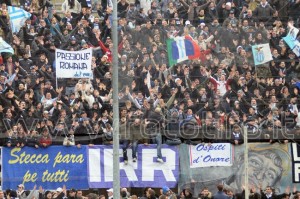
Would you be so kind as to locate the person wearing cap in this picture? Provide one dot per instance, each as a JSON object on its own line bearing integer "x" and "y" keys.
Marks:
{"x": 73, "y": 43}
{"x": 84, "y": 45}
{"x": 225, "y": 10}
{"x": 231, "y": 19}
{"x": 110, "y": 193}
{"x": 166, "y": 191}
{"x": 21, "y": 193}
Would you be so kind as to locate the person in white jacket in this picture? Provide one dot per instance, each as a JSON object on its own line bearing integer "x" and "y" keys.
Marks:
{"x": 21, "y": 193}
{"x": 72, "y": 6}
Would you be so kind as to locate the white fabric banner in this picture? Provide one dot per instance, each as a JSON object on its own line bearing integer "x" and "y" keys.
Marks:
{"x": 73, "y": 64}
{"x": 217, "y": 154}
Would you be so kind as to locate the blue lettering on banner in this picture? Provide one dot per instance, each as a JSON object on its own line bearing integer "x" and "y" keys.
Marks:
{"x": 218, "y": 159}
{"x": 217, "y": 147}
{"x": 205, "y": 155}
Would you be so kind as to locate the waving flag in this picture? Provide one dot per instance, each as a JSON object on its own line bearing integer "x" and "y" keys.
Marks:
{"x": 11, "y": 79}
{"x": 261, "y": 53}
{"x": 181, "y": 49}
{"x": 5, "y": 47}
{"x": 17, "y": 17}
{"x": 292, "y": 41}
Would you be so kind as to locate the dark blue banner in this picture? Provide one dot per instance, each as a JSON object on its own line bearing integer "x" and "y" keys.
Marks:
{"x": 50, "y": 167}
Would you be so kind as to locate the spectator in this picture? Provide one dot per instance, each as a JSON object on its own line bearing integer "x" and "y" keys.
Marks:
{"x": 72, "y": 194}
{"x": 220, "y": 194}
{"x": 264, "y": 12}
{"x": 110, "y": 193}
{"x": 72, "y": 6}
{"x": 269, "y": 193}
{"x": 21, "y": 193}
{"x": 45, "y": 139}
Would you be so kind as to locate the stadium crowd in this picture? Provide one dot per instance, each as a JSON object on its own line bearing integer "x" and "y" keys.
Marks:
{"x": 149, "y": 193}
{"x": 220, "y": 91}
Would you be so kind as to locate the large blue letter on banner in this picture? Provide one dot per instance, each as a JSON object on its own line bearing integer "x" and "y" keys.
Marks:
{"x": 51, "y": 167}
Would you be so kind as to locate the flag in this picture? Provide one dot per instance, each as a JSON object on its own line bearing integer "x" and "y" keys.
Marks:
{"x": 5, "y": 47}
{"x": 181, "y": 49}
{"x": 261, "y": 53}
{"x": 292, "y": 41}
{"x": 296, "y": 48}
{"x": 17, "y": 17}
{"x": 89, "y": 3}
{"x": 11, "y": 79}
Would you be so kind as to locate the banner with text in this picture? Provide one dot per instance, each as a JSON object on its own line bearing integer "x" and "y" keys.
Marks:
{"x": 146, "y": 171}
{"x": 269, "y": 165}
{"x": 296, "y": 162}
{"x": 217, "y": 154}
{"x": 73, "y": 64}
{"x": 50, "y": 167}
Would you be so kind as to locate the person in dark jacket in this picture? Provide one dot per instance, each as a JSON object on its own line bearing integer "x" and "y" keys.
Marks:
{"x": 154, "y": 122}
{"x": 264, "y": 11}
{"x": 32, "y": 139}
{"x": 220, "y": 194}
{"x": 270, "y": 194}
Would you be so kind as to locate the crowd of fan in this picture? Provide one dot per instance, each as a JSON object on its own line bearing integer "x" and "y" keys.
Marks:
{"x": 149, "y": 193}
{"x": 222, "y": 90}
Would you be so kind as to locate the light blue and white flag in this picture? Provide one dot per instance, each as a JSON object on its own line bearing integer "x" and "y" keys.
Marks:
{"x": 11, "y": 78}
{"x": 17, "y": 17}
{"x": 261, "y": 53}
{"x": 292, "y": 41}
{"x": 5, "y": 47}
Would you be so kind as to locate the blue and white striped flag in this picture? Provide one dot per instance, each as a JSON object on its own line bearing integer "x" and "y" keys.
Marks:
{"x": 5, "y": 47}
{"x": 17, "y": 17}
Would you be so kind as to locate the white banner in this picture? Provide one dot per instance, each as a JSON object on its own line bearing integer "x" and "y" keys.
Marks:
{"x": 217, "y": 154}
{"x": 145, "y": 172}
{"x": 73, "y": 64}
